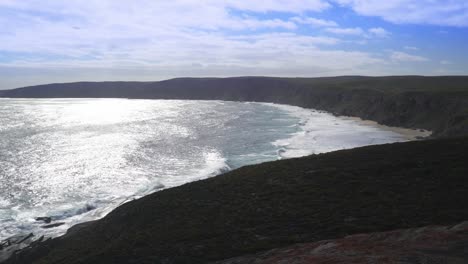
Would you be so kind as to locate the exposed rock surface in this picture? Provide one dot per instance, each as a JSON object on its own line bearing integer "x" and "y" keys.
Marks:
{"x": 52, "y": 225}
{"x": 45, "y": 219}
{"x": 277, "y": 204}
{"x": 16, "y": 243}
{"x": 439, "y": 104}
{"x": 426, "y": 245}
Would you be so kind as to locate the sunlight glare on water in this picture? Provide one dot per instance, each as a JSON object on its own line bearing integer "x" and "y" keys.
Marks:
{"x": 74, "y": 160}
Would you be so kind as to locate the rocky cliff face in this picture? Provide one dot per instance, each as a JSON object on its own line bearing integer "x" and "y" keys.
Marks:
{"x": 439, "y": 104}
{"x": 444, "y": 114}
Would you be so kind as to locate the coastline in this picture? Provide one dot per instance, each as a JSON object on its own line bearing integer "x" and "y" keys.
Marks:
{"x": 337, "y": 133}
{"x": 407, "y": 133}
{"x": 292, "y": 145}
{"x": 276, "y": 204}
{"x": 436, "y": 103}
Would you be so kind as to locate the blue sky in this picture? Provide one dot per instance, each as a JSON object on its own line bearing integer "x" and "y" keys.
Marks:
{"x": 97, "y": 40}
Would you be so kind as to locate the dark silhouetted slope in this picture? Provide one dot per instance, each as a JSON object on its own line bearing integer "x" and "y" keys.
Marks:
{"x": 276, "y": 204}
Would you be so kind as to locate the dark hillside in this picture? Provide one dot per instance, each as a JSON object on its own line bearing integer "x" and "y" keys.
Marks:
{"x": 275, "y": 204}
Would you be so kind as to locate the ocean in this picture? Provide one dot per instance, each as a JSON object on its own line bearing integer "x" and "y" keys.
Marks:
{"x": 74, "y": 160}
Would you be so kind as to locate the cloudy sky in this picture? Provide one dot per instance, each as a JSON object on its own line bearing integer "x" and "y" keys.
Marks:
{"x": 95, "y": 40}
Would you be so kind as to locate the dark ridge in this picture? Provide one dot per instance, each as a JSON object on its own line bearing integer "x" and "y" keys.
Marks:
{"x": 276, "y": 204}
{"x": 439, "y": 104}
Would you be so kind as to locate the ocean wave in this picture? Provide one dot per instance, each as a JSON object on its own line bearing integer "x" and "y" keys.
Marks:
{"x": 214, "y": 164}
{"x": 320, "y": 132}
{"x": 33, "y": 219}
{"x": 81, "y": 174}
{"x": 4, "y": 204}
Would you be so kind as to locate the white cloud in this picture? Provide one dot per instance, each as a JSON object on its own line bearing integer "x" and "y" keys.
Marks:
{"x": 165, "y": 34}
{"x": 294, "y": 6}
{"x": 101, "y": 28}
{"x": 379, "y": 32}
{"x": 315, "y": 22}
{"x": 436, "y": 12}
{"x": 398, "y": 56}
{"x": 252, "y": 23}
{"x": 150, "y": 40}
{"x": 445, "y": 62}
{"x": 346, "y": 31}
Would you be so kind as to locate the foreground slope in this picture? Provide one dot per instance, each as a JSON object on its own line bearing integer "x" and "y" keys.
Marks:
{"x": 439, "y": 104}
{"x": 424, "y": 245}
{"x": 276, "y": 204}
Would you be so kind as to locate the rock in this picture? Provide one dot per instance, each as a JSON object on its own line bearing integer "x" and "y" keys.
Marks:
{"x": 53, "y": 225}
{"x": 13, "y": 244}
{"x": 44, "y": 219}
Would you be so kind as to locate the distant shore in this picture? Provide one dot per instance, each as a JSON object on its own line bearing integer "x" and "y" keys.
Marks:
{"x": 438, "y": 104}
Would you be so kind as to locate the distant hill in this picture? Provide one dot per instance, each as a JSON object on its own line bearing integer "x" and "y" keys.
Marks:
{"x": 439, "y": 103}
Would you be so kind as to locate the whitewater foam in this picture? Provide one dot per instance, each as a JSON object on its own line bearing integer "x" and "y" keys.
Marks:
{"x": 321, "y": 132}
{"x": 75, "y": 160}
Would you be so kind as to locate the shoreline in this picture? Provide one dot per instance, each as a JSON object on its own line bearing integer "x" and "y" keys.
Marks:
{"x": 304, "y": 114}
{"x": 323, "y": 134}
{"x": 276, "y": 204}
{"x": 255, "y": 208}
{"x": 408, "y": 133}
{"x": 436, "y": 103}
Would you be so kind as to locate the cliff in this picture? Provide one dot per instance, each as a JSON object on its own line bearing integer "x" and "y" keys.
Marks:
{"x": 439, "y": 104}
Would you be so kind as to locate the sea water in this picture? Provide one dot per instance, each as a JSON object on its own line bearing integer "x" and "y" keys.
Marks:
{"x": 75, "y": 160}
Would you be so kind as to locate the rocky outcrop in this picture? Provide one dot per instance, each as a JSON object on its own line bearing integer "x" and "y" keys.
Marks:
{"x": 439, "y": 104}
{"x": 15, "y": 243}
{"x": 426, "y": 245}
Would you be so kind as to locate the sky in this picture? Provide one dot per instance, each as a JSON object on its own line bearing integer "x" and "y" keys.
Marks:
{"x": 150, "y": 40}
